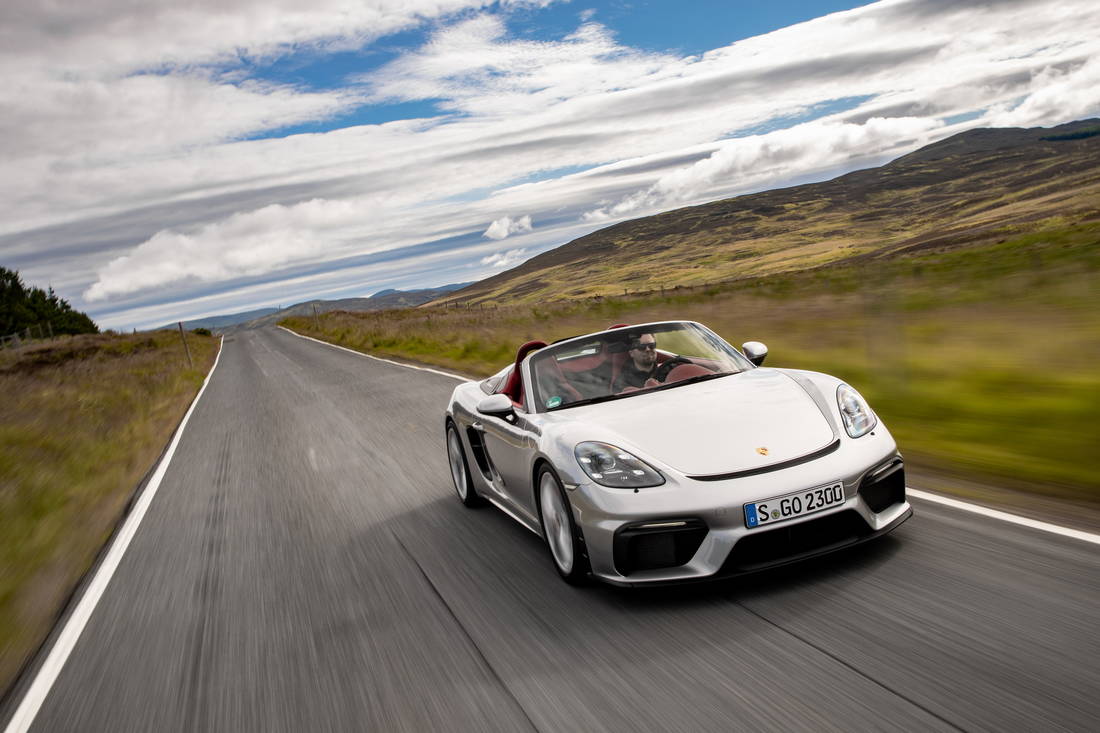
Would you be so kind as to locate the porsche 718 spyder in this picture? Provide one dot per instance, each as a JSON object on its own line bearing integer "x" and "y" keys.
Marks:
{"x": 658, "y": 453}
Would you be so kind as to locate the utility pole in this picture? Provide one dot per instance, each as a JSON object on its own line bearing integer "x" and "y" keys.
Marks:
{"x": 186, "y": 348}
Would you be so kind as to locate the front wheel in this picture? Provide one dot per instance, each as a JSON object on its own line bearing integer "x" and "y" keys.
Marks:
{"x": 560, "y": 530}
{"x": 460, "y": 470}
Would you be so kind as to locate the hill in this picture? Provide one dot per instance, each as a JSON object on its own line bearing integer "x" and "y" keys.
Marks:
{"x": 975, "y": 187}
{"x": 220, "y": 322}
{"x": 382, "y": 300}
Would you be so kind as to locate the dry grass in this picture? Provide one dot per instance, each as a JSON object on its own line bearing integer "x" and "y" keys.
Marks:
{"x": 82, "y": 420}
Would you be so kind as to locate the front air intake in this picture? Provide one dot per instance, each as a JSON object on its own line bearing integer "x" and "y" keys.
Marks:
{"x": 657, "y": 544}
{"x": 884, "y": 487}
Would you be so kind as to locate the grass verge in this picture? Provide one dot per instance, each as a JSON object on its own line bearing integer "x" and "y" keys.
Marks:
{"x": 82, "y": 420}
{"x": 981, "y": 360}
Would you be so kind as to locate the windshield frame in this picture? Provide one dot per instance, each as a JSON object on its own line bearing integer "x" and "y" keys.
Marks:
{"x": 624, "y": 333}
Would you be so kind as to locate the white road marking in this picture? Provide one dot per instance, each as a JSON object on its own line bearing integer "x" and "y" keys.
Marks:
{"x": 313, "y": 460}
{"x": 74, "y": 626}
{"x": 378, "y": 358}
{"x": 1006, "y": 517}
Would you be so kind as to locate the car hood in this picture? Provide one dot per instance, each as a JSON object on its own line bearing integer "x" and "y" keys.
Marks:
{"x": 717, "y": 426}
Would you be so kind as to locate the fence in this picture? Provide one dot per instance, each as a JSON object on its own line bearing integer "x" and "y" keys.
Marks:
{"x": 14, "y": 340}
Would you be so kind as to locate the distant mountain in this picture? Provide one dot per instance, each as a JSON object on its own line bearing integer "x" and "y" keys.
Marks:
{"x": 973, "y": 187}
{"x": 381, "y": 300}
{"x": 219, "y": 322}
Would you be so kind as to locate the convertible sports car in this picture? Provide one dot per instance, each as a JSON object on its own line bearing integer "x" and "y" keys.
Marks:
{"x": 658, "y": 453}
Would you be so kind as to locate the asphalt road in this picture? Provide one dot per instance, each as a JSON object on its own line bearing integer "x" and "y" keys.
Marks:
{"x": 306, "y": 566}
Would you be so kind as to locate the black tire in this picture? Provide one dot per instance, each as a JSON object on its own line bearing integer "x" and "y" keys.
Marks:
{"x": 460, "y": 469}
{"x": 560, "y": 531}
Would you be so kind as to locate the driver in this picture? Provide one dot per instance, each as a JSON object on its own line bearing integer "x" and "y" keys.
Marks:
{"x": 641, "y": 365}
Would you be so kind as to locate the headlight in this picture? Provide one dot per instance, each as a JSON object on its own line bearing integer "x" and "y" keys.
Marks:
{"x": 857, "y": 416}
{"x": 610, "y": 466}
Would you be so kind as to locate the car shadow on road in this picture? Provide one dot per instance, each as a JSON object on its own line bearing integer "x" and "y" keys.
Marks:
{"x": 496, "y": 580}
{"x": 502, "y": 547}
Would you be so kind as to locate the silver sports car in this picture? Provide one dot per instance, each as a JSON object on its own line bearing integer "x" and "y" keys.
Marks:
{"x": 658, "y": 453}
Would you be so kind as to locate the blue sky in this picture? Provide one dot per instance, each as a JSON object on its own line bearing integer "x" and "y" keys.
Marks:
{"x": 168, "y": 161}
{"x": 684, "y": 29}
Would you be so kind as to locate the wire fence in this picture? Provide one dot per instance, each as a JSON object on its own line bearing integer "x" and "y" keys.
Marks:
{"x": 14, "y": 340}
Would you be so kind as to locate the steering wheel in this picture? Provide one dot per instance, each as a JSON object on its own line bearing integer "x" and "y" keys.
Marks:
{"x": 661, "y": 372}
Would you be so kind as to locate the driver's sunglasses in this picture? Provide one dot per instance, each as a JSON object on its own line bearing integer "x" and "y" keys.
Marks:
{"x": 644, "y": 347}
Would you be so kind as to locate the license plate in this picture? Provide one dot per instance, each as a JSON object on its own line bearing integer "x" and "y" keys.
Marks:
{"x": 789, "y": 506}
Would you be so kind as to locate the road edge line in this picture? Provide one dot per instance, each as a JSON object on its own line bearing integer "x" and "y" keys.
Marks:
{"x": 65, "y": 642}
{"x": 378, "y": 358}
{"x": 1058, "y": 529}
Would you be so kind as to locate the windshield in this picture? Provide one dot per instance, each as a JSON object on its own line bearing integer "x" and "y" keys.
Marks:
{"x": 628, "y": 361}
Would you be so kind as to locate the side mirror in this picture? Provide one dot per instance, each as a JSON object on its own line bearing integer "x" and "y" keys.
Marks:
{"x": 498, "y": 405}
{"x": 755, "y": 351}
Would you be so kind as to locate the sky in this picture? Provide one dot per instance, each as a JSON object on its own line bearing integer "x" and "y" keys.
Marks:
{"x": 168, "y": 160}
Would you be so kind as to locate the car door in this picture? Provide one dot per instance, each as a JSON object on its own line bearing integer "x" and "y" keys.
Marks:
{"x": 510, "y": 444}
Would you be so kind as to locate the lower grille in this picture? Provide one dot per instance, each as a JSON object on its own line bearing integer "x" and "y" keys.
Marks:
{"x": 885, "y": 488}
{"x": 653, "y": 545}
{"x": 755, "y": 551}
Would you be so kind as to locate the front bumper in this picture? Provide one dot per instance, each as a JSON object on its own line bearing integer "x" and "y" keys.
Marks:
{"x": 706, "y": 533}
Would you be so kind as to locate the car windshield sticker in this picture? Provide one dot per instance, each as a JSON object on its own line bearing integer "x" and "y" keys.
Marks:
{"x": 553, "y": 401}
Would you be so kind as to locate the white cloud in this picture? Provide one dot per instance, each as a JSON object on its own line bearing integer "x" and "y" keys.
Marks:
{"x": 474, "y": 67}
{"x": 244, "y": 244}
{"x": 112, "y": 37}
{"x": 1058, "y": 95}
{"x": 506, "y": 226}
{"x": 129, "y": 185}
{"x": 505, "y": 259}
{"x": 114, "y": 79}
{"x": 92, "y": 122}
{"x": 746, "y": 163}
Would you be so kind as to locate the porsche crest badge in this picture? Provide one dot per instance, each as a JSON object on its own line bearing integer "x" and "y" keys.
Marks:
{"x": 762, "y": 451}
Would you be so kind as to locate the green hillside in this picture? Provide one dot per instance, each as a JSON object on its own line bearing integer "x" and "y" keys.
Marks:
{"x": 978, "y": 187}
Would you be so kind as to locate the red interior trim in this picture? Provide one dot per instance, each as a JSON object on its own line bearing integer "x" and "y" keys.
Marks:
{"x": 514, "y": 387}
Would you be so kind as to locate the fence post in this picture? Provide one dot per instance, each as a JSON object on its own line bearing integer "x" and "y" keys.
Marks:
{"x": 50, "y": 326}
{"x": 316, "y": 320}
{"x": 186, "y": 348}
